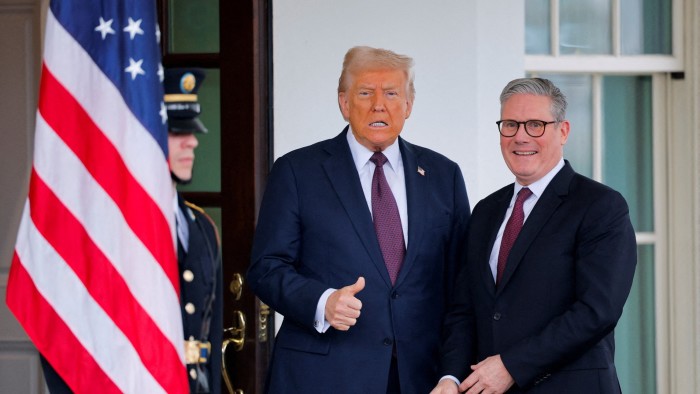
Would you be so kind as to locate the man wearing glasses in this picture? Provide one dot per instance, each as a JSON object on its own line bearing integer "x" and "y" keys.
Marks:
{"x": 550, "y": 264}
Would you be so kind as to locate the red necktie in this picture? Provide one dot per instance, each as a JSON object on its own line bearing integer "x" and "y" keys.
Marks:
{"x": 387, "y": 222}
{"x": 510, "y": 234}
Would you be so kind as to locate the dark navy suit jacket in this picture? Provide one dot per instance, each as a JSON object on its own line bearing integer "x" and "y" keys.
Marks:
{"x": 315, "y": 232}
{"x": 203, "y": 291}
{"x": 566, "y": 280}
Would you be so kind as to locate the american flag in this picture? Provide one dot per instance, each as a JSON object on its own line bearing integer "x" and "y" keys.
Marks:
{"x": 94, "y": 277}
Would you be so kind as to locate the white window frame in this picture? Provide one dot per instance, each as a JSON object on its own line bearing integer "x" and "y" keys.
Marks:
{"x": 615, "y": 62}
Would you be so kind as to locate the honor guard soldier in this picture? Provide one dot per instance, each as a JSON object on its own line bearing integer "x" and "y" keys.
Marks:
{"x": 198, "y": 247}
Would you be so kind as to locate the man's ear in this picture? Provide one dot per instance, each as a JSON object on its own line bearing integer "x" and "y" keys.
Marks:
{"x": 343, "y": 104}
{"x": 565, "y": 129}
{"x": 409, "y": 108}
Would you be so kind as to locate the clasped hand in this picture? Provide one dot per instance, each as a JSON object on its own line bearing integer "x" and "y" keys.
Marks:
{"x": 489, "y": 376}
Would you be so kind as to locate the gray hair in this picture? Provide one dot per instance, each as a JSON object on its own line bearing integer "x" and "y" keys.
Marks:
{"x": 537, "y": 87}
{"x": 363, "y": 58}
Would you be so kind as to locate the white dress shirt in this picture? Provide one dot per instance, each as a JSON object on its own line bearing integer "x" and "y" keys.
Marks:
{"x": 537, "y": 188}
{"x": 394, "y": 173}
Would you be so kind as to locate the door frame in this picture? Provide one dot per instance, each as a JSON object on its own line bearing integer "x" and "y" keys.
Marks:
{"x": 245, "y": 64}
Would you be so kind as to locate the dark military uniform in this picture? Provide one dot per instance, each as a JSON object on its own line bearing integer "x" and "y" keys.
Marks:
{"x": 201, "y": 295}
{"x": 199, "y": 259}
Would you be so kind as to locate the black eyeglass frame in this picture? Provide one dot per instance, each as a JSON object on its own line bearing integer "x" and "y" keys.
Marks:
{"x": 544, "y": 127}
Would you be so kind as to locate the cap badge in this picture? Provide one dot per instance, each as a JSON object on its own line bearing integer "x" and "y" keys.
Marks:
{"x": 187, "y": 83}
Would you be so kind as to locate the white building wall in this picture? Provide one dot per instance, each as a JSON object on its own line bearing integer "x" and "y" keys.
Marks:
{"x": 457, "y": 81}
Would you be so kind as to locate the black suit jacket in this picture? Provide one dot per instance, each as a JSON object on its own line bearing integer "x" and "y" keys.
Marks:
{"x": 567, "y": 278}
{"x": 315, "y": 232}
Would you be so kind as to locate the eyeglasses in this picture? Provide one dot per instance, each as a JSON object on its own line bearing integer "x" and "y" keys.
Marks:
{"x": 534, "y": 128}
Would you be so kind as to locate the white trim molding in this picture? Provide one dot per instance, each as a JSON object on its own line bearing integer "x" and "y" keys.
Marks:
{"x": 683, "y": 216}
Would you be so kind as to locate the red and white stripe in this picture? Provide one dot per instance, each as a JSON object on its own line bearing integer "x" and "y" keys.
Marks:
{"x": 94, "y": 278}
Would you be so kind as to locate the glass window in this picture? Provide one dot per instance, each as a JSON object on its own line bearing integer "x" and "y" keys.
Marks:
{"x": 585, "y": 27}
{"x": 635, "y": 332}
{"x": 645, "y": 27}
{"x": 619, "y": 29}
{"x": 194, "y": 26}
{"x": 537, "y": 27}
{"x": 627, "y": 144}
{"x": 207, "y": 168}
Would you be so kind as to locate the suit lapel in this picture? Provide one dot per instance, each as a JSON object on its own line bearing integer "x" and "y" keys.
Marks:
{"x": 417, "y": 185}
{"x": 340, "y": 168}
{"x": 496, "y": 211}
{"x": 547, "y": 204}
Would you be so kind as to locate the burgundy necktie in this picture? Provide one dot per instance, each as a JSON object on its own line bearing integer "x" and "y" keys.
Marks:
{"x": 510, "y": 234}
{"x": 387, "y": 222}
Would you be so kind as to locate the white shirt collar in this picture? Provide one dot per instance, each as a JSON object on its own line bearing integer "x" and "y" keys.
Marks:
{"x": 361, "y": 155}
{"x": 537, "y": 187}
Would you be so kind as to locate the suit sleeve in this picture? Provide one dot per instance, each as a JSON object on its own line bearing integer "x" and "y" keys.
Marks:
{"x": 456, "y": 252}
{"x": 605, "y": 258}
{"x": 275, "y": 273}
{"x": 458, "y": 347}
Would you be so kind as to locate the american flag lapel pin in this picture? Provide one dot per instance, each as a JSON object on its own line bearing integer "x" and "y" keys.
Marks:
{"x": 421, "y": 171}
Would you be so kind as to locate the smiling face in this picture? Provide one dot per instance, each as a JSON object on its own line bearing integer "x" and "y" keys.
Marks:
{"x": 376, "y": 104}
{"x": 181, "y": 154}
{"x": 528, "y": 158}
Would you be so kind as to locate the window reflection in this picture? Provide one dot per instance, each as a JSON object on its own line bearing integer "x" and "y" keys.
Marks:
{"x": 645, "y": 27}
{"x": 537, "y": 27}
{"x": 585, "y": 27}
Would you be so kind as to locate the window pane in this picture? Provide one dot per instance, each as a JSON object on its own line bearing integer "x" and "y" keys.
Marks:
{"x": 634, "y": 336}
{"x": 579, "y": 147}
{"x": 585, "y": 27}
{"x": 645, "y": 27}
{"x": 537, "y": 27}
{"x": 627, "y": 149}
{"x": 207, "y": 168}
{"x": 194, "y": 26}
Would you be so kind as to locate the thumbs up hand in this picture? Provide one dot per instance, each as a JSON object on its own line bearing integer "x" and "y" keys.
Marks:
{"x": 342, "y": 308}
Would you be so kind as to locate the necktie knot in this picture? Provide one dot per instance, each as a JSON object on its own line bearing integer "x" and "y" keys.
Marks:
{"x": 523, "y": 194}
{"x": 378, "y": 159}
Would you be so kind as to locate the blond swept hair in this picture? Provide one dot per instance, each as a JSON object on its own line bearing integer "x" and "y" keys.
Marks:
{"x": 364, "y": 58}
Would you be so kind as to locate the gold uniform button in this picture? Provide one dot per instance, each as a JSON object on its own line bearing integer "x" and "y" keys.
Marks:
{"x": 189, "y": 308}
{"x": 187, "y": 275}
{"x": 193, "y": 374}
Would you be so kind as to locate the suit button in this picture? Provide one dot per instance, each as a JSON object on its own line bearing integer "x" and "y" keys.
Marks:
{"x": 496, "y": 316}
{"x": 193, "y": 374}
{"x": 394, "y": 295}
{"x": 189, "y": 308}
{"x": 188, "y": 275}
{"x": 388, "y": 342}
